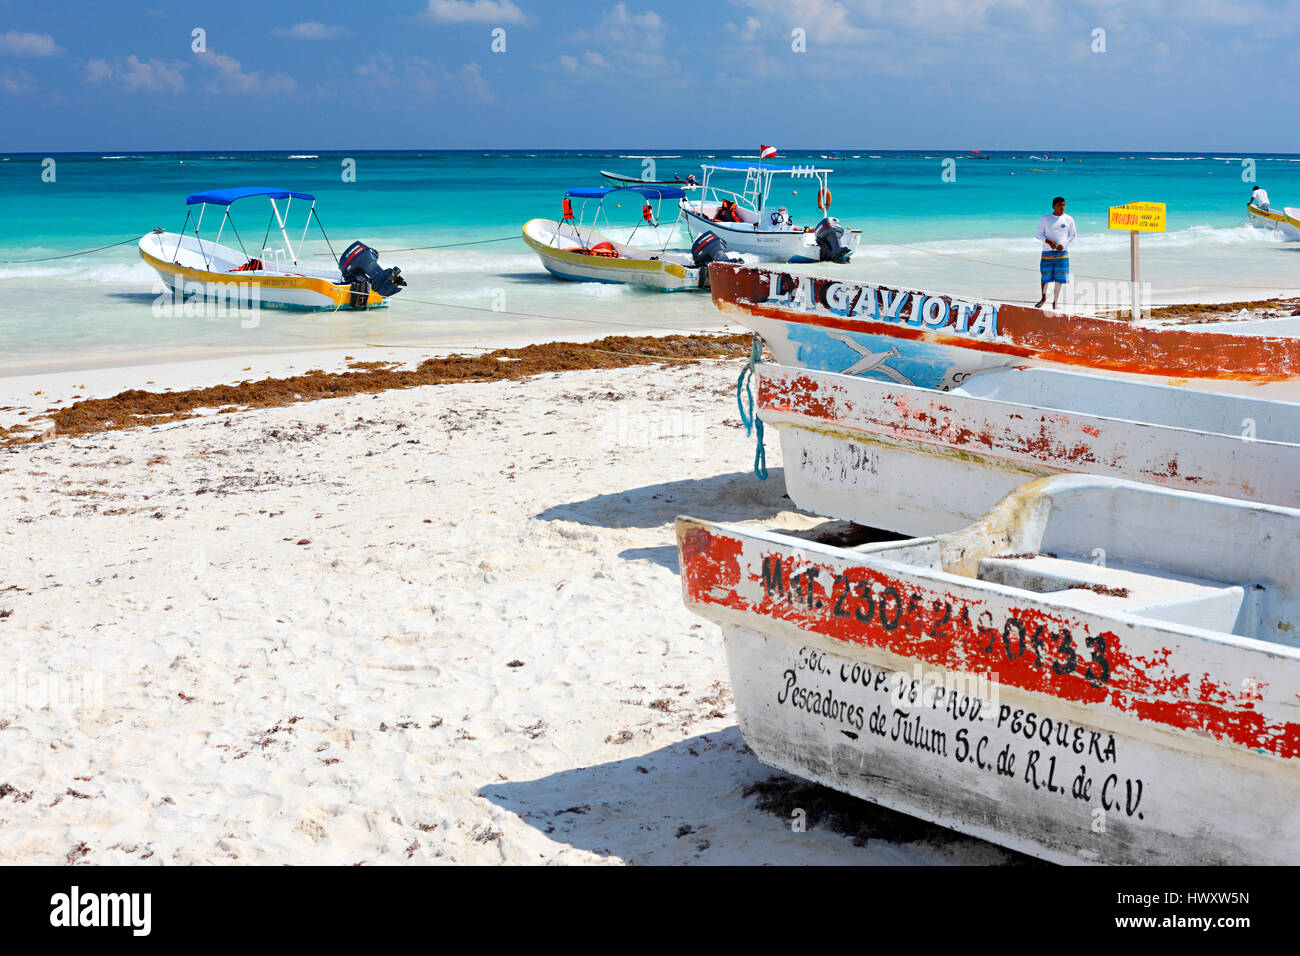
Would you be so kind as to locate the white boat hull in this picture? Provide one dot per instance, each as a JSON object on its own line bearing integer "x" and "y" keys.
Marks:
{"x": 919, "y": 461}
{"x": 1285, "y": 223}
{"x": 189, "y": 267}
{"x": 557, "y": 246}
{"x": 767, "y": 245}
{"x": 1133, "y": 713}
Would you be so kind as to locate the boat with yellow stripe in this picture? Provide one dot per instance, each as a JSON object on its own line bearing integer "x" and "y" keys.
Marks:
{"x": 190, "y": 265}
{"x": 570, "y": 250}
{"x": 1287, "y": 222}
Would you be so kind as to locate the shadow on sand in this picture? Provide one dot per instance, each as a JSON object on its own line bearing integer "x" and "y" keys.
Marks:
{"x": 735, "y": 497}
{"x": 708, "y": 800}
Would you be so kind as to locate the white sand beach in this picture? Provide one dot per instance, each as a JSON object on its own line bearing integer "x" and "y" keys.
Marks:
{"x": 434, "y": 625}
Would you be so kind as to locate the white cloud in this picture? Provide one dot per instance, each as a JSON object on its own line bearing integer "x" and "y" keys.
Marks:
{"x": 637, "y": 42}
{"x": 474, "y": 11}
{"x": 569, "y": 63}
{"x": 15, "y": 82}
{"x": 227, "y": 76}
{"x": 14, "y": 43}
{"x": 311, "y": 30}
{"x": 423, "y": 79}
{"x": 132, "y": 73}
{"x": 872, "y": 22}
{"x": 749, "y": 32}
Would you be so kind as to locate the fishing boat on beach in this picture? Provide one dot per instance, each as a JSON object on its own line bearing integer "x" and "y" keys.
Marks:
{"x": 914, "y": 460}
{"x": 933, "y": 340}
{"x": 272, "y": 277}
{"x": 569, "y": 249}
{"x": 1286, "y": 223}
{"x": 752, "y": 223}
{"x": 1095, "y": 671}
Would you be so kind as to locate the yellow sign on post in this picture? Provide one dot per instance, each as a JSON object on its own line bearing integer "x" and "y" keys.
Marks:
{"x": 1138, "y": 217}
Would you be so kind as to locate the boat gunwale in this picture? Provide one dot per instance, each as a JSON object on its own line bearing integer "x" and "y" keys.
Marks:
{"x": 763, "y": 369}
{"x": 938, "y": 575}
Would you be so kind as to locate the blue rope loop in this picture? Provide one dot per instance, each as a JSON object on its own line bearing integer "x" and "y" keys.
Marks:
{"x": 748, "y": 417}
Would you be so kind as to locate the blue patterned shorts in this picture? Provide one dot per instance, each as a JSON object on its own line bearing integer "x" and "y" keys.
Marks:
{"x": 1054, "y": 267}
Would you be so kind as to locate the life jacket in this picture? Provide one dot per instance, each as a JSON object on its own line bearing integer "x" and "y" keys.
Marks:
{"x": 647, "y": 213}
{"x": 728, "y": 212}
{"x": 252, "y": 265}
{"x": 599, "y": 249}
{"x": 568, "y": 209}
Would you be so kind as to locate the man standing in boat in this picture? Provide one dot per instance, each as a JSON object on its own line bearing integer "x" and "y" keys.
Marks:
{"x": 1056, "y": 230}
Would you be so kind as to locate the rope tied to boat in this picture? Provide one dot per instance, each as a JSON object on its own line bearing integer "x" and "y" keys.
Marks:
{"x": 748, "y": 417}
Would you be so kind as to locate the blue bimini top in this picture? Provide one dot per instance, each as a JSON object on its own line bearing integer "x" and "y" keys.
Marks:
{"x": 649, "y": 192}
{"x": 224, "y": 197}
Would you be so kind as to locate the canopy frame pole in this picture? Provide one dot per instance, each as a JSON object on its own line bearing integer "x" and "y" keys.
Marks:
{"x": 280, "y": 222}
{"x": 197, "y": 226}
{"x": 181, "y": 235}
{"x": 302, "y": 243}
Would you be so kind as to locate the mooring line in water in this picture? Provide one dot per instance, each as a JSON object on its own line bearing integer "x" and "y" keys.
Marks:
{"x": 71, "y": 255}
{"x": 449, "y": 245}
{"x": 114, "y": 245}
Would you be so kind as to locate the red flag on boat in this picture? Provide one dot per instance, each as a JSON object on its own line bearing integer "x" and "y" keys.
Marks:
{"x": 766, "y": 152}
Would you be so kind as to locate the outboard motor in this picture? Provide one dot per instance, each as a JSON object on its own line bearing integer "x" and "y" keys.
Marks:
{"x": 708, "y": 247}
{"x": 359, "y": 265}
{"x": 829, "y": 234}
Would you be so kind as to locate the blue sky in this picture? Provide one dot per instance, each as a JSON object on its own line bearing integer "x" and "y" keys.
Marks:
{"x": 1165, "y": 74}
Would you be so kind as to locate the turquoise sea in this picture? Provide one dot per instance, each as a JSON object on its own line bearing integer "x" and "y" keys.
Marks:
{"x": 970, "y": 232}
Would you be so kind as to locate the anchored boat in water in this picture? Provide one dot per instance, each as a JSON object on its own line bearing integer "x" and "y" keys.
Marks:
{"x": 920, "y": 461}
{"x": 190, "y": 265}
{"x": 753, "y": 224}
{"x": 570, "y": 250}
{"x": 687, "y": 183}
{"x": 933, "y": 340}
{"x": 1096, "y": 670}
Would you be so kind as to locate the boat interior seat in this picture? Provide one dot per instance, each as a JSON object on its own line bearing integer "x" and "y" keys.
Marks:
{"x": 1154, "y": 593}
{"x": 1081, "y": 584}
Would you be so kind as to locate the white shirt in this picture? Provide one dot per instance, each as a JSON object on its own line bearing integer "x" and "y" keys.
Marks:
{"x": 1057, "y": 229}
{"x": 1260, "y": 198}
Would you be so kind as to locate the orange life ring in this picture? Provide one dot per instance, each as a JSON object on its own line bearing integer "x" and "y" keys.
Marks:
{"x": 824, "y": 200}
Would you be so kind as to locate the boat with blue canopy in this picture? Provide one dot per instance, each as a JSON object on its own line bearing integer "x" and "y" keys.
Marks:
{"x": 752, "y": 221}
{"x": 570, "y": 248}
{"x": 272, "y": 275}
